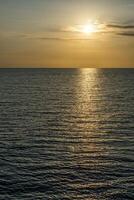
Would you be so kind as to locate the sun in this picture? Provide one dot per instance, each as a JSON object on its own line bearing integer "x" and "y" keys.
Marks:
{"x": 88, "y": 28}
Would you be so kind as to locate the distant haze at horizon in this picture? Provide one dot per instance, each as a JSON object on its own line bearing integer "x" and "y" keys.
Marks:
{"x": 67, "y": 33}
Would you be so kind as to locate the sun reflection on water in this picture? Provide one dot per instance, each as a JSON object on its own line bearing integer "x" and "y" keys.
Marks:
{"x": 87, "y": 117}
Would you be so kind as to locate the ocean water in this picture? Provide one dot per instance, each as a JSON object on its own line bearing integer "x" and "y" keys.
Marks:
{"x": 66, "y": 134}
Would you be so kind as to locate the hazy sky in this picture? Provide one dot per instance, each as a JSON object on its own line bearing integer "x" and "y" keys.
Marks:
{"x": 67, "y": 33}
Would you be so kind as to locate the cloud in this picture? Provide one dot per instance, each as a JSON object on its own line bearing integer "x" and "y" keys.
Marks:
{"x": 129, "y": 34}
{"x": 68, "y": 29}
{"x": 121, "y": 29}
{"x": 124, "y": 29}
{"x": 74, "y": 33}
{"x": 13, "y": 34}
{"x": 76, "y": 28}
{"x": 119, "y": 26}
{"x": 60, "y": 38}
{"x": 40, "y": 36}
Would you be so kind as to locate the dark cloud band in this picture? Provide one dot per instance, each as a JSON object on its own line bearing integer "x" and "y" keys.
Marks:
{"x": 120, "y": 26}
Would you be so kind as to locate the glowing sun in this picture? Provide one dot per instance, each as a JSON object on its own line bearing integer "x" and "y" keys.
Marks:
{"x": 88, "y": 28}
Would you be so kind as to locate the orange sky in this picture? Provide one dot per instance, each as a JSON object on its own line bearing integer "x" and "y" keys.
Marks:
{"x": 51, "y": 34}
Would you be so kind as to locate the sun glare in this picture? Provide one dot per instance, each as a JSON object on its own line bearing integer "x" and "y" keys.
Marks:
{"x": 88, "y": 28}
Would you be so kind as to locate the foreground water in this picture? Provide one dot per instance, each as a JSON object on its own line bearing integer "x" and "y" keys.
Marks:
{"x": 66, "y": 134}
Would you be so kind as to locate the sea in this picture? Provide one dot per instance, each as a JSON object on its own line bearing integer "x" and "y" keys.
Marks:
{"x": 66, "y": 134}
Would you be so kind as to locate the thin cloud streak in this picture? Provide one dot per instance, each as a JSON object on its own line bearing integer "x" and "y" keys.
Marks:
{"x": 60, "y": 38}
{"x": 120, "y": 26}
{"x": 129, "y": 34}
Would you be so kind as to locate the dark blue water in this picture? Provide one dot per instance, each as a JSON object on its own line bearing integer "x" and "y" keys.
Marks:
{"x": 66, "y": 134}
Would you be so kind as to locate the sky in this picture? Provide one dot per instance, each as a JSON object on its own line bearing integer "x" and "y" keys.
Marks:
{"x": 66, "y": 33}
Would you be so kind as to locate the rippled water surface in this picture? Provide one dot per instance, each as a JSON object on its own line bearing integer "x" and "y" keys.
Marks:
{"x": 66, "y": 134}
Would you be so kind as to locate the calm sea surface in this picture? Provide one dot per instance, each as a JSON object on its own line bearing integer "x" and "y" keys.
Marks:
{"x": 66, "y": 134}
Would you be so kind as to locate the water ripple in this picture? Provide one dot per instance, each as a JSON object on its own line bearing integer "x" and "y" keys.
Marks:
{"x": 66, "y": 134}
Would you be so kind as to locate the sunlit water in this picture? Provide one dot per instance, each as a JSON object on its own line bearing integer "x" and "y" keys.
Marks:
{"x": 66, "y": 134}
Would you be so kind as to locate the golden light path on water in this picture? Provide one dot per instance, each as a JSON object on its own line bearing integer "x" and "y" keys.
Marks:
{"x": 88, "y": 146}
